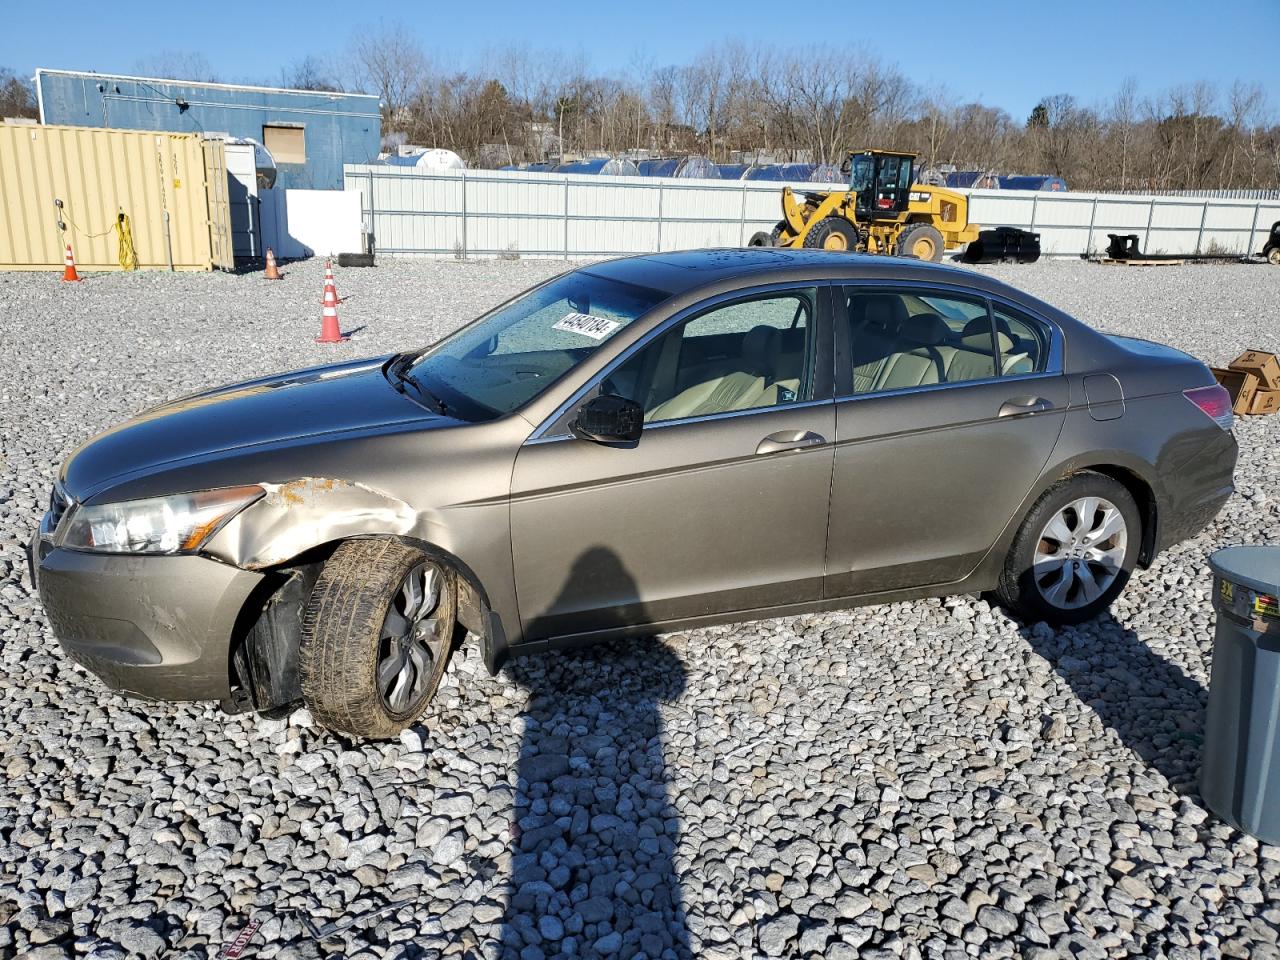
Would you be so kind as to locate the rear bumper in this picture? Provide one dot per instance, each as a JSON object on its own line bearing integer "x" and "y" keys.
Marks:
{"x": 153, "y": 627}
{"x": 1197, "y": 489}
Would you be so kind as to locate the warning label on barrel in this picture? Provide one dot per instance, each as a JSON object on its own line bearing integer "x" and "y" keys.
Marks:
{"x": 597, "y": 328}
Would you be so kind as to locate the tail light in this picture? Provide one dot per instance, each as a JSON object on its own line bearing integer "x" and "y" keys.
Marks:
{"x": 1214, "y": 402}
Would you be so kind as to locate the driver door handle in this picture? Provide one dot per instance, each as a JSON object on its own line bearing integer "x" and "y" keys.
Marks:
{"x": 1020, "y": 406}
{"x": 789, "y": 440}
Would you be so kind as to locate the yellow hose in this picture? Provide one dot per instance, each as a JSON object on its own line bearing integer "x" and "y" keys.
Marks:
{"x": 128, "y": 258}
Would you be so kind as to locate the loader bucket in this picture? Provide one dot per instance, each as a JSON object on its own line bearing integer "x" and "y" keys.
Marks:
{"x": 1123, "y": 246}
{"x": 1004, "y": 243}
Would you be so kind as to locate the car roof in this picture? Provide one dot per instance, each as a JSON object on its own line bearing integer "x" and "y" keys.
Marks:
{"x": 687, "y": 271}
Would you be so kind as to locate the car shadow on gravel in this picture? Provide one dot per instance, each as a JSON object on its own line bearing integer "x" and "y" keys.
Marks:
{"x": 594, "y": 832}
{"x": 1153, "y": 706}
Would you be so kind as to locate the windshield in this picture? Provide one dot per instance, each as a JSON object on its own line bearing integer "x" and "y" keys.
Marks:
{"x": 862, "y": 172}
{"x": 501, "y": 362}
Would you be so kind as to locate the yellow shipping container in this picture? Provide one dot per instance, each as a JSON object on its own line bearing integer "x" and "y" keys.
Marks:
{"x": 171, "y": 186}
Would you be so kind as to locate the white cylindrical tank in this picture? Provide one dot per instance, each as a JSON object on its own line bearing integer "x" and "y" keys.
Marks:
{"x": 430, "y": 161}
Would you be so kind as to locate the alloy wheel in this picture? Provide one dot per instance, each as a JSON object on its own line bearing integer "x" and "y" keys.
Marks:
{"x": 1080, "y": 553}
{"x": 411, "y": 640}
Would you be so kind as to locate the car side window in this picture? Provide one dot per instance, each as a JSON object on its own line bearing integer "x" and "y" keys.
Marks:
{"x": 1024, "y": 342}
{"x": 743, "y": 355}
{"x": 902, "y": 339}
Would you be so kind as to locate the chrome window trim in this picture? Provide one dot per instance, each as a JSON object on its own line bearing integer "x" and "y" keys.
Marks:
{"x": 540, "y": 434}
{"x": 682, "y": 421}
{"x": 933, "y": 387}
{"x": 1053, "y": 366}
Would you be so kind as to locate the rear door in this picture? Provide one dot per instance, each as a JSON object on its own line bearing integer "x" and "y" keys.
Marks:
{"x": 946, "y": 413}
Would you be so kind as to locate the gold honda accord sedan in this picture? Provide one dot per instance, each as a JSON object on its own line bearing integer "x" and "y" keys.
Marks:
{"x": 636, "y": 446}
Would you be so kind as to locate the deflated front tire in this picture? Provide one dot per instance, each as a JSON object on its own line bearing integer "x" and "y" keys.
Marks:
{"x": 377, "y": 633}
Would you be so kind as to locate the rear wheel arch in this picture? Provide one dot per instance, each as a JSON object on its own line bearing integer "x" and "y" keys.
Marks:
{"x": 1064, "y": 566}
{"x": 1143, "y": 494}
{"x": 1132, "y": 474}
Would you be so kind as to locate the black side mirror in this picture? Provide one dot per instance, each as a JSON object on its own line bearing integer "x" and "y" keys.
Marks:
{"x": 608, "y": 419}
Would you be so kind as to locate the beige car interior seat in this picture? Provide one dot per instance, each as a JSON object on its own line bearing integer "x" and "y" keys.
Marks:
{"x": 755, "y": 382}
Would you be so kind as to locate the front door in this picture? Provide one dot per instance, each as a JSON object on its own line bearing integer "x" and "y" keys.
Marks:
{"x": 949, "y": 412}
{"x": 722, "y": 504}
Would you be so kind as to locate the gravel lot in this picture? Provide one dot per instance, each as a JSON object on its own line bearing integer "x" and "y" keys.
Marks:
{"x": 930, "y": 779}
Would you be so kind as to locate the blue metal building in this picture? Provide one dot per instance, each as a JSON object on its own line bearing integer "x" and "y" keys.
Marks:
{"x": 310, "y": 133}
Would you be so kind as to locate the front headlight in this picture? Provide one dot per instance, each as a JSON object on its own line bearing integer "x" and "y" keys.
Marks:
{"x": 177, "y": 524}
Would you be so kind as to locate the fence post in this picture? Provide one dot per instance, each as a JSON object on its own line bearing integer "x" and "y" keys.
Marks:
{"x": 1204, "y": 214}
{"x": 1034, "y": 201}
{"x": 742, "y": 218}
{"x": 1146, "y": 237}
{"x": 372, "y": 238}
{"x": 659, "y": 218}
{"x": 566, "y": 217}
{"x": 464, "y": 213}
{"x": 1253, "y": 228}
{"x": 1093, "y": 218}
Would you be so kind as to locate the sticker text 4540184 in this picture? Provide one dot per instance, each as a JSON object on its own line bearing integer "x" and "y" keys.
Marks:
{"x": 597, "y": 328}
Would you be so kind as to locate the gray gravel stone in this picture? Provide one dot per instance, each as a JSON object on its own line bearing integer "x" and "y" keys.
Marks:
{"x": 926, "y": 779}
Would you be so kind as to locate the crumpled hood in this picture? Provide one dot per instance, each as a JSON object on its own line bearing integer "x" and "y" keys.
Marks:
{"x": 331, "y": 399}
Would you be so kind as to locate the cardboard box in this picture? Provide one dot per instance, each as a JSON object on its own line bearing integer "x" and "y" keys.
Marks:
{"x": 1242, "y": 387}
{"x": 1263, "y": 365}
{"x": 1265, "y": 401}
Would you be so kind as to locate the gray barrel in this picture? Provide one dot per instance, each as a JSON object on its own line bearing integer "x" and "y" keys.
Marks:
{"x": 1240, "y": 776}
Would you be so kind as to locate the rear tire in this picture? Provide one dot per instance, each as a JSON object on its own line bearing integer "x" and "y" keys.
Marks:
{"x": 377, "y": 633}
{"x": 832, "y": 233}
{"x": 922, "y": 241}
{"x": 1074, "y": 552}
{"x": 761, "y": 238}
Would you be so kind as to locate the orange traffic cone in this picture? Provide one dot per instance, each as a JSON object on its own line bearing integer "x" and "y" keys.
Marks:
{"x": 328, "y": 280}
{"x": 272, "y": 272}
{"x": 330, "y": 332}
{"x": 69, "y": 271}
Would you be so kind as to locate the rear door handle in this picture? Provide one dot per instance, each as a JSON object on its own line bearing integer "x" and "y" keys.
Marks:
{"x": 789, "y": 440}
{"x": 1021, "y": 406}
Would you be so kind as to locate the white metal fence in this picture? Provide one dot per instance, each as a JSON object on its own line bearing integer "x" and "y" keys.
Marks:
{"x": 495, "y": 213}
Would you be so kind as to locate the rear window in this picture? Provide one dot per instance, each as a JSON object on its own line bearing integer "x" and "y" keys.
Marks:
{"x": 1024, "y": 342}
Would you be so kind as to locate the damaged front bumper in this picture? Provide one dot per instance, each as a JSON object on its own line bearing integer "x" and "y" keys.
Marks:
{"x": 157, "y": 627}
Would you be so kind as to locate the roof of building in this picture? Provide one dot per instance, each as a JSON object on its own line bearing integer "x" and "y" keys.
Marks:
{"x": 200, "y": 83}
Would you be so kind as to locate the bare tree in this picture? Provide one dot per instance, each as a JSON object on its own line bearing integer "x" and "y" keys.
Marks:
{"x": 390, "y": 63}
{"x": 818, "y": 103}
{"x": 311, "y": 73}
{"x": 16, "y": 96}
{"x": 177, "y": 65}
{"x": 1123, "y": 120}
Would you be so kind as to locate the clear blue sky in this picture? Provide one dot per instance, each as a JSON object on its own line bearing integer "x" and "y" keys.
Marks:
{"x": 1005, "y": 53}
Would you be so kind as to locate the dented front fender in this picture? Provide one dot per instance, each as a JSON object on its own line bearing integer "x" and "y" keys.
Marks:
{"x": 294, "y": 517}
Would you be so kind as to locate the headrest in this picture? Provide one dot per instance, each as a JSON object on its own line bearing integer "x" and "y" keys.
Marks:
{"x": 886, "y": 312}
{"x": 976, "y": 335}
{"x": 981, "y": 342}
{"x": 926, "y": 329}
{"x": 760, "y": 347}
{"x": 979, "y": 325}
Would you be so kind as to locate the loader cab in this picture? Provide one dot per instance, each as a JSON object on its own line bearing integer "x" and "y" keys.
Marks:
{"x": 881, "y": 180}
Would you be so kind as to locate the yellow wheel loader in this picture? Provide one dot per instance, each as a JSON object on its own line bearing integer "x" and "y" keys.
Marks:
{"x": 883, "y": 211}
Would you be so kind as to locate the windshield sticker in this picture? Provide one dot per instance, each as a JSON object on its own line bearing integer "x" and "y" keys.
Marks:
{"x": 597, "y": 328}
